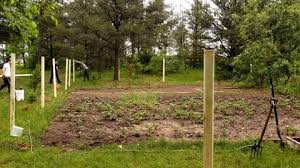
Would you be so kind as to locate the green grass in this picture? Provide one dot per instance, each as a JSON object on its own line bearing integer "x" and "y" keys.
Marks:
{"x": 152, "y": 154}
{"x": 28, "y": 115}
{"x": 147, "y": 154}
{"x": 104, "y": 79}
{"x": 134, "y": 99}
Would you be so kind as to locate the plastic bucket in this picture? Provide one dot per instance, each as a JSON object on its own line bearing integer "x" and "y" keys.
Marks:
{"x": 20, "y": 95}
{"x": 16, "y": 131}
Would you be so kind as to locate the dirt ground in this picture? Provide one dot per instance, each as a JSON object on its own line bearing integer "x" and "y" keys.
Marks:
{"x": 122, "y": 116}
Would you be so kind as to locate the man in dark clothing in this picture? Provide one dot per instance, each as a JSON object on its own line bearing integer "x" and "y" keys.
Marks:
{"x": 56, "y": 74}
{"x": 6, "y": 75}
{"x": 85, "y": 70}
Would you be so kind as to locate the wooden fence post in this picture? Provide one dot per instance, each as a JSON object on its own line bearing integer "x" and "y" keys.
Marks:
{"x": 119, "y": 72}
{"x": 54, "y": 77}
{"x": 66, "y": 74}
{"x": 164, "y": 70}
{"x": 70, "y": 65}
{"x": 73, "y": 70}
{"x": 208, "y": 151}
{"x": 42, "y": 82}
{"x": 12, "y": 102}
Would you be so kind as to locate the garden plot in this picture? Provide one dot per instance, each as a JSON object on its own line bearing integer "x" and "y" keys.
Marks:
{"x": 96, "y": 117}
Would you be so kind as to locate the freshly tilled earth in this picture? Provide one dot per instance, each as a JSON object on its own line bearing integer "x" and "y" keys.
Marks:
{"x": 122, "y": 116}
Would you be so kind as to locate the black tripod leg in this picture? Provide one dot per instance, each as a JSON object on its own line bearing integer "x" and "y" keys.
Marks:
{"x": 282, "y": 145}
{"x": 277, "y": 123}
{"x": 266, "y": 124}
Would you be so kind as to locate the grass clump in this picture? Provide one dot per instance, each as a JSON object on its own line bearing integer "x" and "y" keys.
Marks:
{"x": 189, "y": 115}
{"x": 227, "y": 107}
{"x": 133, "y": 99}
{"x": 109, "y": 111}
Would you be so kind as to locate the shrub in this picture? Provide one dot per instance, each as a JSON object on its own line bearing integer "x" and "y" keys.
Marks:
{"x": 173, "y": 65}
{"x": 224, "y": 68}
{"x": 36, "y": 78}
{"x": 145, "y": 56}
{"x": 251, "y": 65}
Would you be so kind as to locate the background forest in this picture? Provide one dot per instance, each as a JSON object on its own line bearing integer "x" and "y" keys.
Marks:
{"x": 134, "y": 36}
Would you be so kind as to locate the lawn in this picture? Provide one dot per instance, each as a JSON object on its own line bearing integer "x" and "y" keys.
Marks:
{"x": 149, "y": 152}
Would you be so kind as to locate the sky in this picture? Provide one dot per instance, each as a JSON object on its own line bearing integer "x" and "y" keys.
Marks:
{"x": 182, "y": 5}
{"x": 179, "y": 5}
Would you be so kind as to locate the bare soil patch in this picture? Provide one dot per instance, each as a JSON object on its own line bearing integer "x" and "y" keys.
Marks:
{"x": 121, "y": 116}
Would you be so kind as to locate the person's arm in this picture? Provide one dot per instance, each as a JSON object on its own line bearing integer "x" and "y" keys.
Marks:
{"x": 79, "y": 62}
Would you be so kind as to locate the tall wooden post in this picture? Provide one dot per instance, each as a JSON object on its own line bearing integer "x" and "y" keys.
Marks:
{"x": 12, "y": 102}
{"x": 42, "y": 82}
{"x": 66, "y": 74}
{"x": 70, "y": 65}
{"x": 54, "y": 77}
{"x": 119, "y": 70}
{"x": 209, "y": 59}
{"x": 164, "y": 70}
{"x": 73, "y": 70}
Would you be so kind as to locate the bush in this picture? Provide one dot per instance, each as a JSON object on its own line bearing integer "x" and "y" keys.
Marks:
{"x": 133, "y": 66}
{"x": 173, "y": 65}
{"x": 251, "y": 65}
{"x": 154, "y": 66}
{"x": 31, "y": 62}
{"x": 224, "y": 68}
{"x": 36, "y": 78}
{"x": 144, "y": 57}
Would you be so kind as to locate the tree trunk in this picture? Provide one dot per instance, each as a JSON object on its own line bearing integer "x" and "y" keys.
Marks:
{"x": 24, "y": 61}
{"x": 86, "y": 53}
{"x": 117, "y": 61}
{"x": 51, "y": 47}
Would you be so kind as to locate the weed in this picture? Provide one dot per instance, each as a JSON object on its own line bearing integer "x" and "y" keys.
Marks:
{"x": 151, "y": 129}
{"x": 147, "y": 100}
{"x": 190, "y": 115}
{"x": 285, "y": 103}
{"x": 104, "y": 106}
{"x": 227, "y": 107}
{"x": 111, "y": 115}
{"x": 137, "y": 117}
{"x": 291, "y": 131}
{"x": 84, "y": 107}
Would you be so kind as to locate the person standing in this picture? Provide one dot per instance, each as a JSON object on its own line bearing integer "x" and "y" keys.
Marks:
{"x": 56, "y": 73}
{"x": 85, "y": 69}
{"x": 6, "y": 75}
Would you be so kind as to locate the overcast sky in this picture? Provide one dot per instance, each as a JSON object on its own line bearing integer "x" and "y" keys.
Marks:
{"x": 179, "y": 5}
{"x": 182, "y": 5}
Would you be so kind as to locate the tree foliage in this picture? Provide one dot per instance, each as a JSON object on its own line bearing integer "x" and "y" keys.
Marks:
{"x": 249, "y": 34}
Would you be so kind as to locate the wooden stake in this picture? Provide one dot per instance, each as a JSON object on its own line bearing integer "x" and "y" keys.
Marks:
{"x": 69, "y": 76}
{"x": 119, "y": 72}
{"x": 66, "y": 74}
{"x": 73, "y": 70}
{"x": 209, "y": 59}
{"x": 12, "y": 102}
{"x": 42, "y": 82}
{"x": 54, "y": 77}
{"x": 164, "y": 69}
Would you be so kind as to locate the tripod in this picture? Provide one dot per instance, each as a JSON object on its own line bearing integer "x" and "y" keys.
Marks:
{"x": 256, "y": 148}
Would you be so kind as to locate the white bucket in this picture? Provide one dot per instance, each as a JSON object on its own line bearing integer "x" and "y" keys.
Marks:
{"x": 20, "y": 95}
{"x": 16, "y": 131}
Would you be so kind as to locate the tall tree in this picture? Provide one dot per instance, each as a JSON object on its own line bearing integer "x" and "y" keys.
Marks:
{"x": 226, "y": 26}
{"x": 181, "y": 40}
{"x": 116, "y": 15}
{"x": 199, "y": 23}
{"x": 17, "y": 20}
